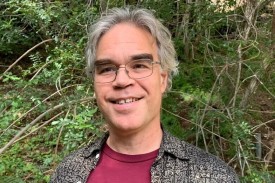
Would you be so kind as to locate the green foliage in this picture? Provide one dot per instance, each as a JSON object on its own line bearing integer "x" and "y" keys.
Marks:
{"x": 207, "y": 106}
{"x": 208, "y": 87}
{"x": 51, "y": 75}
{"x": 172, "y": 123}
{"x": 77, "y": 127}
{"x": 6, "y": 179}
{"x": 255, "y": 176}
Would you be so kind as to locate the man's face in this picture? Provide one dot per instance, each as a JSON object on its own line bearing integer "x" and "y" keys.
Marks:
{"x": 130, "y": 105}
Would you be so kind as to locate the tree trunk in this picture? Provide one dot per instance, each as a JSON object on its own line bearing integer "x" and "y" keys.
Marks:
{"x": 273, "y": 33}
{"x": 250, "y": 14}
{"x": 186, "y": 21}
{"x": 103, "y": 5}
{"x": 266, "y": 63}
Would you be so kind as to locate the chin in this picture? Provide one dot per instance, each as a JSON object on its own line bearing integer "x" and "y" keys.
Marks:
{"x": 125, "y": 126}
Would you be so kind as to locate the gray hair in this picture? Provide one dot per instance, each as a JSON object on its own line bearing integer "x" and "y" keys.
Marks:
{"x": 141, "y": 18}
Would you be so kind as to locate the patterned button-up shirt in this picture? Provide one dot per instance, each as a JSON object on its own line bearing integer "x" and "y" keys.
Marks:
{"x": 177, "y": 162}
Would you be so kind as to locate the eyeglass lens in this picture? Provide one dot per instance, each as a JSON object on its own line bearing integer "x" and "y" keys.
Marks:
{"x": 135, "y": 69}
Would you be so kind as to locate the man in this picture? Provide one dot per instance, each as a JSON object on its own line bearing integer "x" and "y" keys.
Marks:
{"x": 131, "y": 58}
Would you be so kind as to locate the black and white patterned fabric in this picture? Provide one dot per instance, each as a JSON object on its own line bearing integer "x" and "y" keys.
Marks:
{"x": 177, "y": 162}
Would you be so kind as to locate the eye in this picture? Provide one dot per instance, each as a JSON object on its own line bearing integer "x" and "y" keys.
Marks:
{"x": 140, "y": 65}
{"x": 105, "y": 69}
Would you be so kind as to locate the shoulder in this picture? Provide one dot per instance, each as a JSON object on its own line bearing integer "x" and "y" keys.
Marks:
{"x": 72, "y": 159}
{"x": 68, "y": 169}
{"x": 78, "y": 164}
{"x": 208, "y": 165}
{"x": 201, "y": 164}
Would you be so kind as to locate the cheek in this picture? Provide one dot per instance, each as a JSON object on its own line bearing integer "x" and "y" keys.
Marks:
{"x": 98, "y": 95}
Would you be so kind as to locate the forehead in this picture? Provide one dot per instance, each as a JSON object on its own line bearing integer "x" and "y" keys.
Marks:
{"x": 124, "y": 40}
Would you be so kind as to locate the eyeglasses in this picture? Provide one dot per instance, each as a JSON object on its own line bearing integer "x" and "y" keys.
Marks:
{"x": 136, "y": 69}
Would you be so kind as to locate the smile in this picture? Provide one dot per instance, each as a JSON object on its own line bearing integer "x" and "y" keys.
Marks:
{"x": 125, "y": 101}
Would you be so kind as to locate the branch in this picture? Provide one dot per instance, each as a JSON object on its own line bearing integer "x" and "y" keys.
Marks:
{"x": 23, "y": 130}
{"x": 30, "y": 110}
{"x": 262, "y": 124}
{"x": 206, "y": 106}
{"x": 202, "y": 127}
{"x": 269, "y": 155}
{"x": 240, "y": 54}
{"x": 22, "y": 56}
{"x": 44, "y": 124}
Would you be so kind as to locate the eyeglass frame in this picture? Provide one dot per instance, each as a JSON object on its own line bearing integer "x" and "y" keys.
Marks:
{"x": 93, "y": 72}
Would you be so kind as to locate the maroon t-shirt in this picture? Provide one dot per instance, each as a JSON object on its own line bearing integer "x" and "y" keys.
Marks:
{"x": 114, "y": 167}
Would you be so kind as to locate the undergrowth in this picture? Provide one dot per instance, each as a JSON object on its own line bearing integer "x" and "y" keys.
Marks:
{"x": 222, "y": 99}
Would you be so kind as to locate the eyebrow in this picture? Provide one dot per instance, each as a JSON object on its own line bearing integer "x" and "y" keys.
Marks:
{"x": 103, "y": 61}
{"x": 133, "y": 57}
{"x": 142, "y": 56}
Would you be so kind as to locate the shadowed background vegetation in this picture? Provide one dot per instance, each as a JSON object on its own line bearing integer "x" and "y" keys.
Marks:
{"x": 223, "y": 99}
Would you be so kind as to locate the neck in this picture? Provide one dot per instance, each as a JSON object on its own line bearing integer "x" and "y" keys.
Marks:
{"x": 141, "y": 142}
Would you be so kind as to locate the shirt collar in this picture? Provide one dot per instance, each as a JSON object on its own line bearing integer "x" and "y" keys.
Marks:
{"x": 169, "y": 144}
{"x": 96, "y": 146}
{"x": 173, "y": 146}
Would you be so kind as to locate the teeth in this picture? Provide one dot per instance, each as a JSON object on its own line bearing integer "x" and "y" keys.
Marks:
{"x": 123, "y": 101}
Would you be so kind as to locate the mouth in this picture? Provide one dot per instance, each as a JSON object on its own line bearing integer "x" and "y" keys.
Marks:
{"x": 125, "y": 101}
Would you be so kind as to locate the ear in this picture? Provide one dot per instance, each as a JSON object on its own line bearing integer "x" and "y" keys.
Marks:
{"x": 163, "y": 80}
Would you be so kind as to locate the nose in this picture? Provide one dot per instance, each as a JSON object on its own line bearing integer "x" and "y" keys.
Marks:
{"x": 122, "y": 78}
